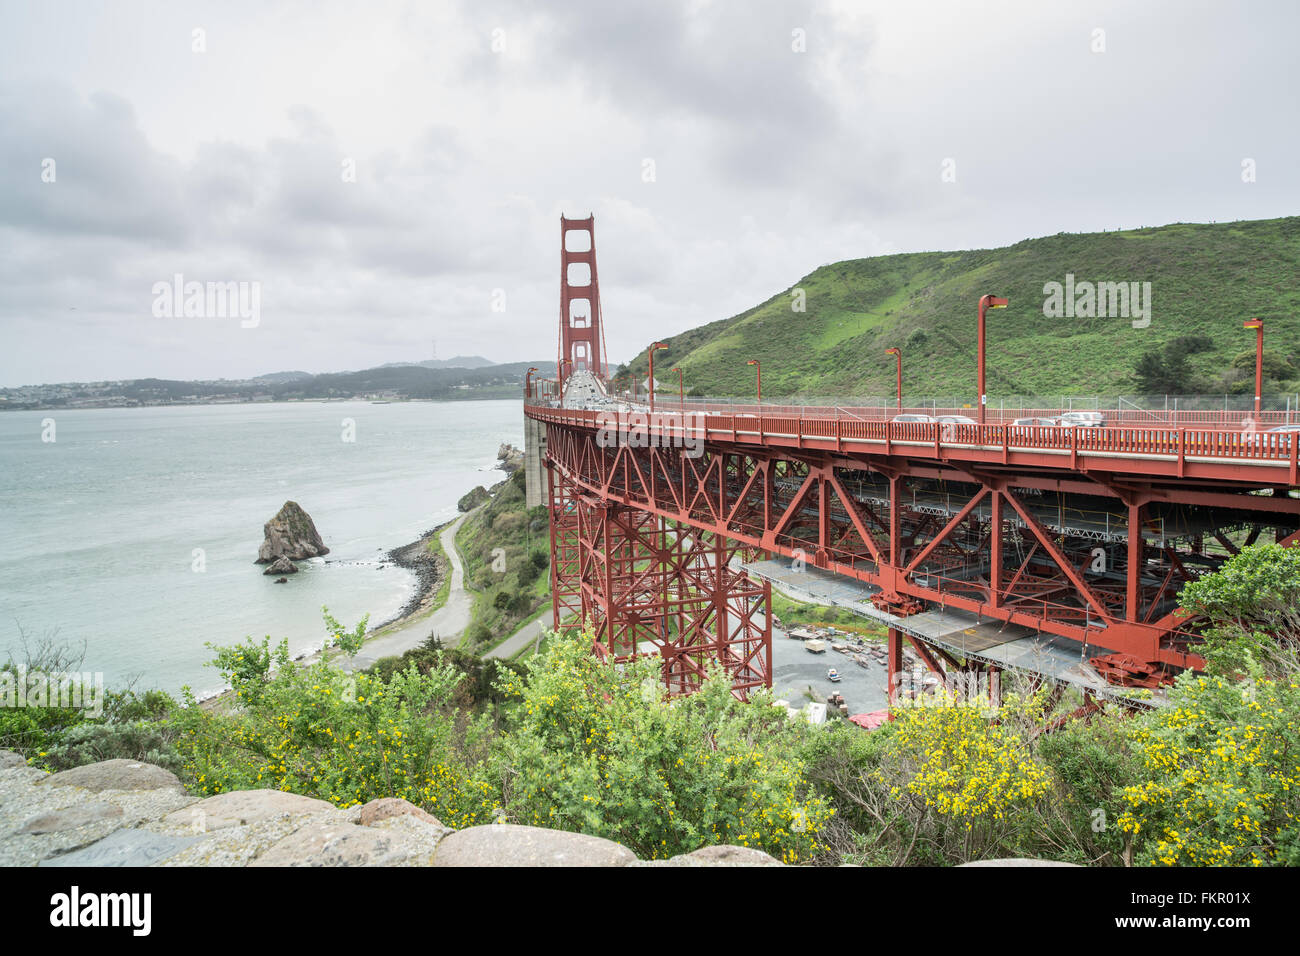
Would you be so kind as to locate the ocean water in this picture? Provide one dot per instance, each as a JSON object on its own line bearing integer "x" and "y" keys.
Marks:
{"x": 134, "y": 532}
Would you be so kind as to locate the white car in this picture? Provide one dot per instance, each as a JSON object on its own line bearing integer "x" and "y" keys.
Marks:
{"x": 1283, "y": 433}
{"x": 914, "y": 419}
{"x": 1035, "y": 423}
{"x": 1082, "y": 419}
{"x": 955, "y": 420}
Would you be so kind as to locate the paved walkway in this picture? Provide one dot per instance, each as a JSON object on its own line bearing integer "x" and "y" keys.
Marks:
{"x": 521, "y": 638}
{"x": 448, "y": 622}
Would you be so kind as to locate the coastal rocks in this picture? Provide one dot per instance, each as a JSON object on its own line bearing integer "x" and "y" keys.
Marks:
{"x": 49, "y": 822}
{"x": 281, "y": 566}
{"x": 725, "y": 855}
{"x": 240, "y": 807}
{"x": 10, "y": 759}
{"x": 62, "y": 820}
{"x": 290, "y": 534}
{"x": 124, "y": 848}
{"x": 115, "y": 775}
{"x": 386, "y": 808}
{"x": 327, "y": 844}
{"x": 72, "y": 818}
{"x": 503, "y": 844}
{"x": 472, "y": 499}
{"x": 509, "y": 458}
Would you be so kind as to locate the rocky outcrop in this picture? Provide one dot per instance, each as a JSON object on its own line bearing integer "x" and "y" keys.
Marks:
{"x": 115, "y": 775}
{"x": 281, "y": 566}
{"x": 504, "y": 845}
{"x": 509, "y": 458}
{"x": 290, "y": 534}
{"x": 130, "y": 813}
{"x": 472, "y": 499}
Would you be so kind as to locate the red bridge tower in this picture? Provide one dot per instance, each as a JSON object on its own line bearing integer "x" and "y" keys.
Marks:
{"x": 582, "y": 336}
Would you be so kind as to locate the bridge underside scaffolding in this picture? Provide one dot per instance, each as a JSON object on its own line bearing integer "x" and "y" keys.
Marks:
{"x": 1090, "y": 558}
{"x": 647, "y": 585}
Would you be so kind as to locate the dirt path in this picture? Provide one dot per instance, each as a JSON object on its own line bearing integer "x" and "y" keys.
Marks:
{"x": 448, "y": 622}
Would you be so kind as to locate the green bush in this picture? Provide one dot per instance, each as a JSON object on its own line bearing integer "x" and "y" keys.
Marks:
{"x": 600, "y": 750}
{"x": 346, "y": 738}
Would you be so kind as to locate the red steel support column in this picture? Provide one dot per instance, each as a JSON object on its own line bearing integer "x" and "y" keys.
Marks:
{"x": 995, "y": 549}
{"x": 1133, "y": 602}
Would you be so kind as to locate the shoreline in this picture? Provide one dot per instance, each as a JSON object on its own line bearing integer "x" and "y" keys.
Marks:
{"x": 430, "y": 571}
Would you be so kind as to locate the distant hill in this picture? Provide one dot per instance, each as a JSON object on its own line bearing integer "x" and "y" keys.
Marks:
{"x": 1205, "y": 280}
{"x": 279, "y": 377}
{"x": 459, "y": 361}
{"x": 389, "y": 382}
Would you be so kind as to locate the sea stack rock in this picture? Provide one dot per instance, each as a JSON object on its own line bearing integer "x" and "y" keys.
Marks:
{"x": 281, "y": 566}
{"x": 509, "y": 459}
{"x": 290, "y": 534}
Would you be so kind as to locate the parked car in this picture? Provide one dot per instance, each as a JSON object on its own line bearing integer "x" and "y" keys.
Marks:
{"x": 1082, "y": 419}
{"x": 915, "y": 419}
{"x": 1282, "y": 431}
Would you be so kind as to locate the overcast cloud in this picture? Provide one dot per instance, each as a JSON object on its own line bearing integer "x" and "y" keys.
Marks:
{"x": 472, "y": 126}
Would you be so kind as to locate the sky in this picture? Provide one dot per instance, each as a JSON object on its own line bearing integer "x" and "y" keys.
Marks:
{"x": 383, "y": 182}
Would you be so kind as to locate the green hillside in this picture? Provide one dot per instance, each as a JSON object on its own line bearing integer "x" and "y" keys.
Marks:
{"x": 1205, "y": 280}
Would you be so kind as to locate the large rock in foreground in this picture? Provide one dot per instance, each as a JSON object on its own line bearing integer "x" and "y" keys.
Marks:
{"x": 116, "y": 774}
{"x": 290, "y": 534}
{"x": 500, "y": 844}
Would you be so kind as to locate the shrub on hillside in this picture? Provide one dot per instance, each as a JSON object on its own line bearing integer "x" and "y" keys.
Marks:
{"x": 601, "y": 750}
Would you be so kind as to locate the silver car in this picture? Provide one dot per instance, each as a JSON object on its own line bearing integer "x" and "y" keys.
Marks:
{"x": 1082, "y": 419}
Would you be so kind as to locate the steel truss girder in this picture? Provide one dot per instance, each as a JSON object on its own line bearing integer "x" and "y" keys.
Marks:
{"x": 801, "y": 506}
{"x": 650, "y": 586}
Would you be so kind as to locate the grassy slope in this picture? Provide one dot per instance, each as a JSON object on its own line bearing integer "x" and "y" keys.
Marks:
{"x": 1205, "y": 279}
{"x": 505, "y": 523}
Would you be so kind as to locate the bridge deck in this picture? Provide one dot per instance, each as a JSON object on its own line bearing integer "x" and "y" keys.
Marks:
{"x": 1221, "y": 450}
{"x": 1007, "y": 646}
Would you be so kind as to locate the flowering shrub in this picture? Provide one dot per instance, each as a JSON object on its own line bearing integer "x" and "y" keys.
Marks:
{"x": 967, "y": 767}
{"x": 1221, "y": 781}
{"x": 601, "y": 750}
{"x": 346, "y": 738}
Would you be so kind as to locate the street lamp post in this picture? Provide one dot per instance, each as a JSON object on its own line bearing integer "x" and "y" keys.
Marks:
{"x": 1258, "y": 326}
{"x": 681, "y": 389}
{"x": 986, "y": 302}
{"x": 898, "y": 356}
{"x": 528, "y": 383}
{"x": 651, "y": 383}
{"x": 758, "y": 369}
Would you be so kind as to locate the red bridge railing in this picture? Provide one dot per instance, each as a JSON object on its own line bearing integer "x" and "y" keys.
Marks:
{"x": 848, "y": 430}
